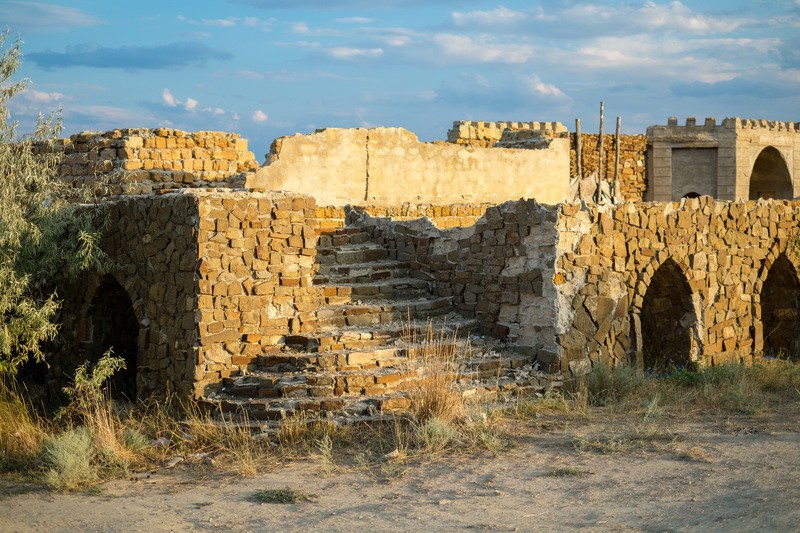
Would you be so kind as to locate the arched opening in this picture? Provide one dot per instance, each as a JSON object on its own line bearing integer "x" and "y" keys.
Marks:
{"x": 113, "y": 325}
{"x": 770, "y": 177}
{"x": 691, "y": 195}
{"x": 780, "y": 310}
{"x": 667, "y": 318}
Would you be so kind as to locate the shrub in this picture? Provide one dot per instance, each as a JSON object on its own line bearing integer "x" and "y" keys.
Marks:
{"x": 69, "y": 460}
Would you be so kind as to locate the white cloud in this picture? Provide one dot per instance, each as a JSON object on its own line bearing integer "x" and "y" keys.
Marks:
{"x": 190, "y": 105}
{"x": 167, "y": 98}
{"x": 344, "y": 52}
{"x": 362, "y": 20}
{"x": 465, "y": 49}
{"x": 41, "y": 97}
{"x": 235, "y": 116}
{"x": 259, "y": 116}
{"x": 499, "y": 16}
{"x": 219, "y": 111}
{"x": 222, "y": 23}
{"x": 538, "y": 87}
{"x": 300, "y": 27}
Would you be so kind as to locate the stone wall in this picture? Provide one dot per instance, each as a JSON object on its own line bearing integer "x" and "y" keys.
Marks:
{"x": 151, "y": 244}
{"x": 716, "y": 255}
{"x": 632, "y": 160}
{"x": 441, "y": 216}
{"x": 213, "y": 280}
{"x": 389, "y": 166}
{"x": 256, "y": 265}
{"x": 486, "y": 134}
{"x": 679, "y": 151}
{"x": 497, "y": 269}
{"x": 691, "y": 282}
{"x": 137, "y": 161}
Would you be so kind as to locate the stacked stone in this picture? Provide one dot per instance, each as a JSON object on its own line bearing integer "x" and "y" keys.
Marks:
{"x": 632, "y": 153}
{"x": 607, "y": 258}
{"x": 442, "y": 216}
{"x": 151, "y": 245}
{"x": 137, "y": 161}
{"x": 486, "y": 134}
{"x": 256, "y": 266}
{"x": 496, "y": 270}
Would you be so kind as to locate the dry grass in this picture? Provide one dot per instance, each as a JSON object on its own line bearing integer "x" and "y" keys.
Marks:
{"x": 437, "y": 361}
{"x": 22, "y": 432}
{"x": 629, "y": 411}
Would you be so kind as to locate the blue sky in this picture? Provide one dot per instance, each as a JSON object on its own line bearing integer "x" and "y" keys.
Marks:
{"x": 267, "y": 68}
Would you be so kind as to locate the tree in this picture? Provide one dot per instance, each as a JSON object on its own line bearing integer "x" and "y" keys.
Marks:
{"x": 45, "y": 234}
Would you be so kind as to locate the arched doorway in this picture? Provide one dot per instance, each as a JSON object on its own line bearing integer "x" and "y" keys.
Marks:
{"x": 667, "y": 319}
{"x": 770, "y": 177}
{"x": 113, "y": 325}
{"x": 780, "y": 310}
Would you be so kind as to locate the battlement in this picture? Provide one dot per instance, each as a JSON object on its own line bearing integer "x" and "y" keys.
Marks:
{"x": 485, "y": 134}
{"x": 710, "y": 126}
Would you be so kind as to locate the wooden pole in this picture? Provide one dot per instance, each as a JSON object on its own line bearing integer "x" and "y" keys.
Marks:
{"x": 578, "y": 159}
{"x": 600, "y": 157}
{"x": 616, "y": 159}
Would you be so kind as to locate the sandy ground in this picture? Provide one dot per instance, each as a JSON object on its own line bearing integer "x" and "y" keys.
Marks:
{"x": 704, "y": 473}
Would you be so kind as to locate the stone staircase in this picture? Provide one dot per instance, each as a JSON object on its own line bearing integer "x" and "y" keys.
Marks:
{"x": 361, "y": 358}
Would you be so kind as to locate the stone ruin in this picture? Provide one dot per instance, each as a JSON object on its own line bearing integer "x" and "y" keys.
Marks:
{"x": 270, "y": 302}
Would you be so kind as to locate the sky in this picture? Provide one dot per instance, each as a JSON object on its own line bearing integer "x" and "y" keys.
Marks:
{"x": 269, "y": 68}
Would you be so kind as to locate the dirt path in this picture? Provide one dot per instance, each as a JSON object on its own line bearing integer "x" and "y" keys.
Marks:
{"x": 701, "y": 474}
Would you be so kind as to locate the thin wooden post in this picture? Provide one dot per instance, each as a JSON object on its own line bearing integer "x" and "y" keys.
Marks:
{"x": 578, "y": 159}
{"x": 616, "y": 160}
{"x": 600, "y": 157}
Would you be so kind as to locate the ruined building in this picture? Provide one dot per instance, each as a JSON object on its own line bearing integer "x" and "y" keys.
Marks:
{"x": 300, "y": 284}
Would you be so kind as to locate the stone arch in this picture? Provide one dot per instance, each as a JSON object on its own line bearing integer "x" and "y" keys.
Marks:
{"x": 770, "y": 177}
{"x": 691, "y": 194}
{"x": 111, "y": 318}
{"x": 776, "y": 305}
{"x": 665, "y": 321}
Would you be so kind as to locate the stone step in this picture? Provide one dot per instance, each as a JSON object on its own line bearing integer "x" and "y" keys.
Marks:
{"x": 363, "y": 272}
{"x": 391, "y": 288}
{"x": 342, "y": 236}
{"x": 376, "y": 313}
{"x": 263, "y": 412}
{"x": 336, "y": 360}
{"x": 350, "y": 254}
{"x": 376, "y": 336}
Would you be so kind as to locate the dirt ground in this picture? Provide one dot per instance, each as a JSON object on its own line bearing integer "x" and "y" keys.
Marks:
{"x": 701, "y": 473}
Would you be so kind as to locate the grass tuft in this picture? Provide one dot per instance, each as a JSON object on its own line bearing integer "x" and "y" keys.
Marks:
{"x": 284, "y": 496}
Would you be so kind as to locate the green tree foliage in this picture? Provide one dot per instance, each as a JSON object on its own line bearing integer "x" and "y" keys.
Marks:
{"x": 45, "y": 234}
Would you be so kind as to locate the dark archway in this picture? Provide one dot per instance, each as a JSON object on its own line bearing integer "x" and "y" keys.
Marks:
{"x": 770, "y": 177}
{"x": 113, "y": 325}
{"x": 691, "y": 195}
{"x": 667, "y": 318}
{"x": 780, "y": 310}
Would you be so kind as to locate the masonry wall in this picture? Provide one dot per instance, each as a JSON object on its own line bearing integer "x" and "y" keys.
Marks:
{"x": 633, "y": 148}
{"x": 497, "y": 269}
{"x": 151, "y": 244}
{"x": 389, "y": 166}
{"x": 255, "y": 280}
{"x": 138, "y": 161}
{"x": 441, "y": 216}
{"x": 608, "y": 256}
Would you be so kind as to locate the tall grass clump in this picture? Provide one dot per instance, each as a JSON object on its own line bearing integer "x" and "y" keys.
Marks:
{"x": 606, "y": 384}
{"x": 22, "y": 431}
{"x": 435, "y": 360}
